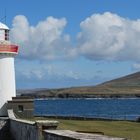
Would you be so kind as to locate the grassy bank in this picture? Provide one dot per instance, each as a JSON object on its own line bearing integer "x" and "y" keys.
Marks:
{"x": 124, "y": 129}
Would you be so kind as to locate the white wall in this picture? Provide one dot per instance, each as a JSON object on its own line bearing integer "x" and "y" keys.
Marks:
{"x": 2, "y": 35}
{"x": 7, "y": 81}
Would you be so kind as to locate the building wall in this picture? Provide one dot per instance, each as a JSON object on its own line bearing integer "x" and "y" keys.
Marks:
{"x": 27, "y": 104}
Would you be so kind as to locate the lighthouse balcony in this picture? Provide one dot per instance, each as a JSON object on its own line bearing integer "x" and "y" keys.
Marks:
{"x": 8, "y": 48}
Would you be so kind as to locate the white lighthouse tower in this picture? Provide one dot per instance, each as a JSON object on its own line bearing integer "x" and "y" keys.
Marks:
{"x": 7, "y": 70}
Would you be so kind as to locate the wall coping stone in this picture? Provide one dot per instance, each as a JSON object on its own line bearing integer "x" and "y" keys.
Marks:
{"x": 47, "y": 122}
{"x": 37, "y": 122}
{"x": 23, "y": 121}
{"x": 80, "y": 136}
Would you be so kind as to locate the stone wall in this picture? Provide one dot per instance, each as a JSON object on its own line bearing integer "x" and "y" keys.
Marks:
{"x": 4, "y": 129}
{"x": 71, "y": 135}
{"x": 45, "y": 130}
{"x": 28, "y": 130}
{"x": 23, "y": 130}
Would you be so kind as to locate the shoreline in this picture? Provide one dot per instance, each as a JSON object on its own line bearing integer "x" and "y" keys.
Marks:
{"x": 85, "y": 118}
{"x": 81, "y": 96}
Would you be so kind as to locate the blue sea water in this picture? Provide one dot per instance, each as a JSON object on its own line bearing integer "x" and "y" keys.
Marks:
{"x": 122, "y": 109}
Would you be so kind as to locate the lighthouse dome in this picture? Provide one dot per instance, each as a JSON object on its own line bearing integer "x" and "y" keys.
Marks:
{"x": 3, "y": 26}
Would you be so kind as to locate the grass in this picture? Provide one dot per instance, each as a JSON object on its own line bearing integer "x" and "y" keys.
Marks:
{"x": 123, "y": 129}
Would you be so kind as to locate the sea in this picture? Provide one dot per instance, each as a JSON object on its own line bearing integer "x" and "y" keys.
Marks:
{"x": 102, "y": 108}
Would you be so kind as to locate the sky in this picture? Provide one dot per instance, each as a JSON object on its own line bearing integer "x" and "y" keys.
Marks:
{"x": 66, "y": 43}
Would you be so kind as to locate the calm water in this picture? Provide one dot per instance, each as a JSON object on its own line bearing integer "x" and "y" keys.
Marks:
{"x": 125, "y": 109}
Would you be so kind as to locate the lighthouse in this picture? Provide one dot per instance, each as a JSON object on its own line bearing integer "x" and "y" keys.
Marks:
{"x": 7, "y": 70}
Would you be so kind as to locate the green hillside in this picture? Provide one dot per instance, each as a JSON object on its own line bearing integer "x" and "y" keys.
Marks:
{"x": 127, "y": 86}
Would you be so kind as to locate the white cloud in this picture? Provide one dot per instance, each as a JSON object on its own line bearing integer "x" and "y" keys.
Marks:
{"x": 104, "y": 36}
{"x": 109, "y": 37}
{"x": 136, "y": 66}
{"x": 44, "y": 41}
{"x": 30, "y": 73}
{"x": 42, "y": 71}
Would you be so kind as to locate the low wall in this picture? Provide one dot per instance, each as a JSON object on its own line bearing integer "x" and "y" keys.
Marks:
{"x": 23, "y": 130}
{"x": 45, "y": 130}
{"x": 29, "y": 130}
{"x": 71, "y": 135}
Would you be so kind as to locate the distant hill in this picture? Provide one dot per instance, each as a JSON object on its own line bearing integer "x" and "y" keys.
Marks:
{"x": 127, "y": 86}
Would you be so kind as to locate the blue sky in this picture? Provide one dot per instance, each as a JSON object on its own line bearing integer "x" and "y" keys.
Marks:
{"x": 65, "y": 43}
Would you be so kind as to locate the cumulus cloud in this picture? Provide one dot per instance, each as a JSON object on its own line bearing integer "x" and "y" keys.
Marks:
{"x": 44, "y": 41}
{"x": 109, "y": 37}
{"x": 104, "y": 36}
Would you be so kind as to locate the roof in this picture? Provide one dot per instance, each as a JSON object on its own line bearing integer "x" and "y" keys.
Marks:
{"x": 3, "y": 26}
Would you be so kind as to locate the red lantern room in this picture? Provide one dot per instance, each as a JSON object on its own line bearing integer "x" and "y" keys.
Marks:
{"x": 5, "y": 45}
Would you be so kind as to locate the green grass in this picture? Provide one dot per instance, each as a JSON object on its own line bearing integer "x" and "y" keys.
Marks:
{"x": 123, "y": 129}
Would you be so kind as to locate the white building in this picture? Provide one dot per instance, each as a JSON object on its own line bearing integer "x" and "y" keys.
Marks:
{"x": 7, "y": 70}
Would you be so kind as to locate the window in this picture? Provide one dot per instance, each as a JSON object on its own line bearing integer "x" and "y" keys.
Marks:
{"x": 20, "y": 108}
{"x": 6, "y": 34}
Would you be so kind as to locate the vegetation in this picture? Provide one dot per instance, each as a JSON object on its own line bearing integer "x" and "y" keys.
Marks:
{"x": 128, "y": 86}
